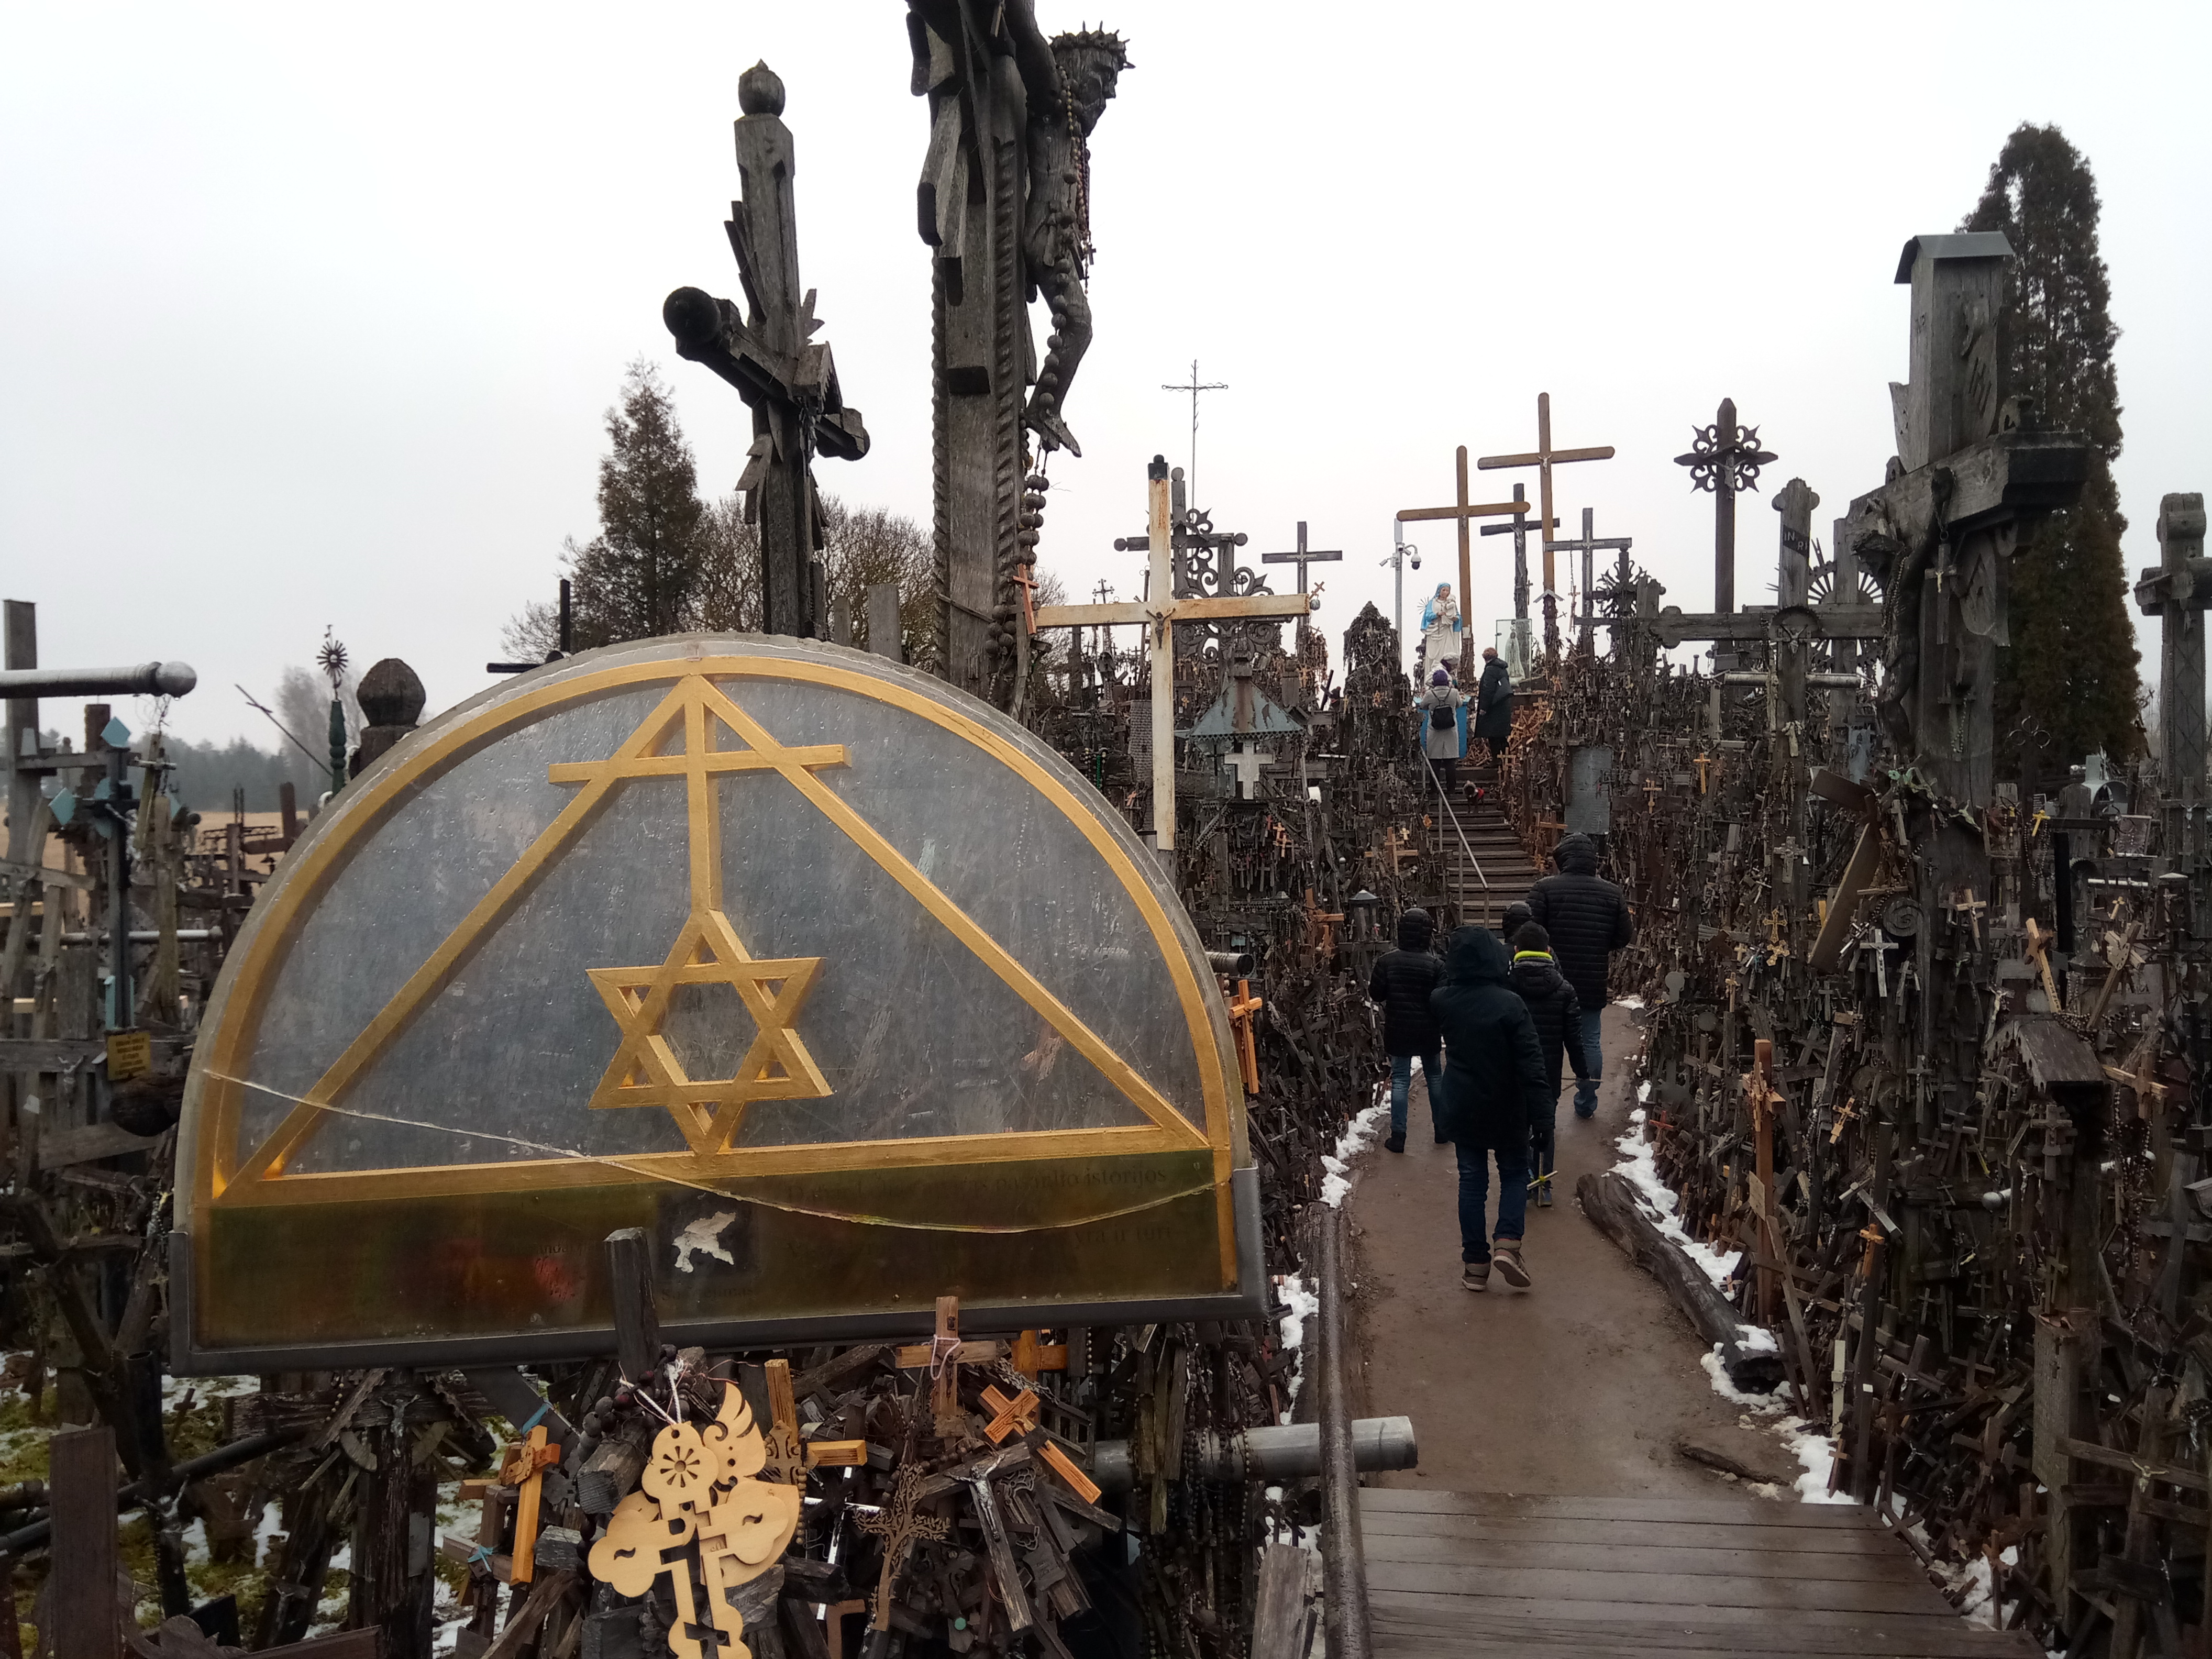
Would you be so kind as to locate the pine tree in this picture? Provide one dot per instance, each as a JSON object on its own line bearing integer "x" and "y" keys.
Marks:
{"x": 639, "y": 576}
{"x": 2072, "y": 665}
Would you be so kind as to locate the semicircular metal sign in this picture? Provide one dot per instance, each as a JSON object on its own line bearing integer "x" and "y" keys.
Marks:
{"x": 844, "y": 987}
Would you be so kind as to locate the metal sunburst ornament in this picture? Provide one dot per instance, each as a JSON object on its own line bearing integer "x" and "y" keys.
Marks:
{"x": 332, "y": 659}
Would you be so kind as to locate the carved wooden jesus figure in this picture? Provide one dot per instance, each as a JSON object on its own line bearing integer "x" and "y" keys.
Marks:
{"x": 1057, "y": 219}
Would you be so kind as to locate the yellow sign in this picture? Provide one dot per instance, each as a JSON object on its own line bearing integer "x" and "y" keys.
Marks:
{"x": 130, "y": 1054}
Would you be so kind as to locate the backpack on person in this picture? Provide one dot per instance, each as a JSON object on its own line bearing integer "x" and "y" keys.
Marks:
{"x": 1443, "y": 716}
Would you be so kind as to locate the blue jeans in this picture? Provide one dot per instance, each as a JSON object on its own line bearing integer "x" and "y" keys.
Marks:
{"x": 1401, "y": 1080}
{"x": 1592, "y": 1066}
{"x": 1474, "y": 1198}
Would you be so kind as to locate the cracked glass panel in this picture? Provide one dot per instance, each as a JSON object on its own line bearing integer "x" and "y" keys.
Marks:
{"x": 820, "y": 969}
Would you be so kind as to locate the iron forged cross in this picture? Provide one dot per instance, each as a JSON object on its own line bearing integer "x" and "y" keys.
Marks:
{"x": 1724, "y": 458}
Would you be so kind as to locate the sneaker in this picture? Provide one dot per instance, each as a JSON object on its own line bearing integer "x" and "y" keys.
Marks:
{"x": 1475, "y": 1276}
{"x": 1395, "y": 1144}
{"x": 1511, "y": 1267}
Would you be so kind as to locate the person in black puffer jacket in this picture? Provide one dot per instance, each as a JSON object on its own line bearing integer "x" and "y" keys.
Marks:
{"x": 1401, "y": 983}
{"x": 1536, "y": 980}
{"x": 1493, "y": 1085}
{"x": 1588, "y": 919}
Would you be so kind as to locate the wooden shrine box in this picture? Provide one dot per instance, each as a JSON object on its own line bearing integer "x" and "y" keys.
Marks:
{"x": 842, "y": 987}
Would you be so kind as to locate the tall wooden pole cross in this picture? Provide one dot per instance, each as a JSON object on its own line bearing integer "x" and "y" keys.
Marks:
{"x": 1302, "y": 557}
{"x": 2178, "y": 591}
{"x": 1519, "y": 530}
{"x": 1724, "y": 458}
{"x": 1544, "y": 458}
{"x": 1588, "y": 547}
{"x": 790, "y": 383}
{"x": 1157, "y": 613}
{"x": 1464, "y": 512}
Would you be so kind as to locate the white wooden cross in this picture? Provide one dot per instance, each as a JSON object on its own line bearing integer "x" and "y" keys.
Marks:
{"x": 1245, "y": 761}
{"x": 1159, "y": 612}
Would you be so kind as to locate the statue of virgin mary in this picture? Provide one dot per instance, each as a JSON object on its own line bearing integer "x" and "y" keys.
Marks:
{"x": 1440, "y": 631}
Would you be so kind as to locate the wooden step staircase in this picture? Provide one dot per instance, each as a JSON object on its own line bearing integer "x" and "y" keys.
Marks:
{"x": 1484, "y": 868}
{"x": 1474, "y": 1576}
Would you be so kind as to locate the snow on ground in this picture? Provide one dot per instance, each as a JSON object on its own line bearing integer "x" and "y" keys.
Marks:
{"x": 1365, "y": 1129}
{"x": 1639, "y": 1166}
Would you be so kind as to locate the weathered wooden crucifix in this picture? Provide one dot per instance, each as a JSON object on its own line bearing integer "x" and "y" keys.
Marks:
{"x": 1724, "y": 458}
{"x": 1523, "y": 647}
{"x": 1588, "y": 547}
{"x": 1303, "y": 556}
{"x": 1544, "y": 458}
{"x": 1157, "y": 613}
{"x": 2178, "y": 592}
{"x": 1465, "y": 511}
{"x": 790, "y": 382}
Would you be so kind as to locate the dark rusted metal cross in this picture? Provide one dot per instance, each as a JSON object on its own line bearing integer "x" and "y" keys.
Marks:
{"x": 1724, "y": 458}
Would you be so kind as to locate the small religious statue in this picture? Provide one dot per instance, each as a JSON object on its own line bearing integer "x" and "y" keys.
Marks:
{"x": 1440, "y": 631}
{"x": 1056, "y": 246}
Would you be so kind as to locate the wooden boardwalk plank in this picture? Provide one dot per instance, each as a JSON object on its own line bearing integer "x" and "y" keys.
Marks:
{"x": 1560, "y": 1624}
{"x": 1602, "y": 1561}
{"x": 1674, "y": 1534}
{"x": 1555, "y": 1586}
{"x": 1401, "y": 1630}
{"x": 1715, "y": 1511}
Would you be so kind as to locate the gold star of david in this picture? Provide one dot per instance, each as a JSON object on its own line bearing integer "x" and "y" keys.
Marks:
{"x": 683, "y": 738}
{"x": 645, "y": 1070}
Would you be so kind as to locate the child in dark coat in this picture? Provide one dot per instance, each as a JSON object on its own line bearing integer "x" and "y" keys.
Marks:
{"x": 1401, "y": 983}
{"x": 1558, "y": 1013}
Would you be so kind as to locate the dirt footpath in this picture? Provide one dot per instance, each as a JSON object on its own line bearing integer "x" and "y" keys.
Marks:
{"x": 1582, "y": 1385}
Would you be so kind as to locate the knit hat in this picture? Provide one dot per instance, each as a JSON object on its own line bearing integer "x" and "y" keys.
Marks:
{"x": 1440, "y": 678}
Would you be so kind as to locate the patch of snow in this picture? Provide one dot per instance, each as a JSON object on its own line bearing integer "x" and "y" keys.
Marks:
{"x": 1299, "y": 1304}
{"x": 1639, "y": 1167}
{"x": 1628, "y": 1002}
{"x": 1818, "y": 1454}
{"x": 704, "y": 1237}
{"x": 1364, "y": 1131}
{"x": 1764, "y": 1405}
{"x": 203, "y": 1390}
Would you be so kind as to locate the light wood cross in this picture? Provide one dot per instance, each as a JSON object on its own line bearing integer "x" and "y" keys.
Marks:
{"x": 2039, "y": 952}
{"x": 1242, "y": 1009}
{"x": 1464, "y": 512}
{"x": 524, "y": 1468}
{"x": 1544, "y": 458}
{"x": 1159, "y": 612}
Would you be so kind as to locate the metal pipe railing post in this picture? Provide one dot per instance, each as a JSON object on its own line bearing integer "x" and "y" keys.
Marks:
{"x": 1343, "y": 1557}
{"x": 1474, "y": 864}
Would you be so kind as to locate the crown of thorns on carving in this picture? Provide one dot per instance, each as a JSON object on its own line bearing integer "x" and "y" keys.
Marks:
{"x": 1094, "y": 40}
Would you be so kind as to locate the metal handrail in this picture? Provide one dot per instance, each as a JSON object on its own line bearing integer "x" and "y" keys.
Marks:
{"x": 1475, "y": 863}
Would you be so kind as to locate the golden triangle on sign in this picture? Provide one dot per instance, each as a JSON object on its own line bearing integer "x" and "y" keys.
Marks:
{"x": 645, "y": 1070}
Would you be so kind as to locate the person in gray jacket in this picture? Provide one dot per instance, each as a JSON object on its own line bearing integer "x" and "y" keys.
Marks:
{"x": 1439, "y": 707}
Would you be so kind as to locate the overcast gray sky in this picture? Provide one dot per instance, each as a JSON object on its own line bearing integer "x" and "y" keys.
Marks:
{"x": 312, "y": 314}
